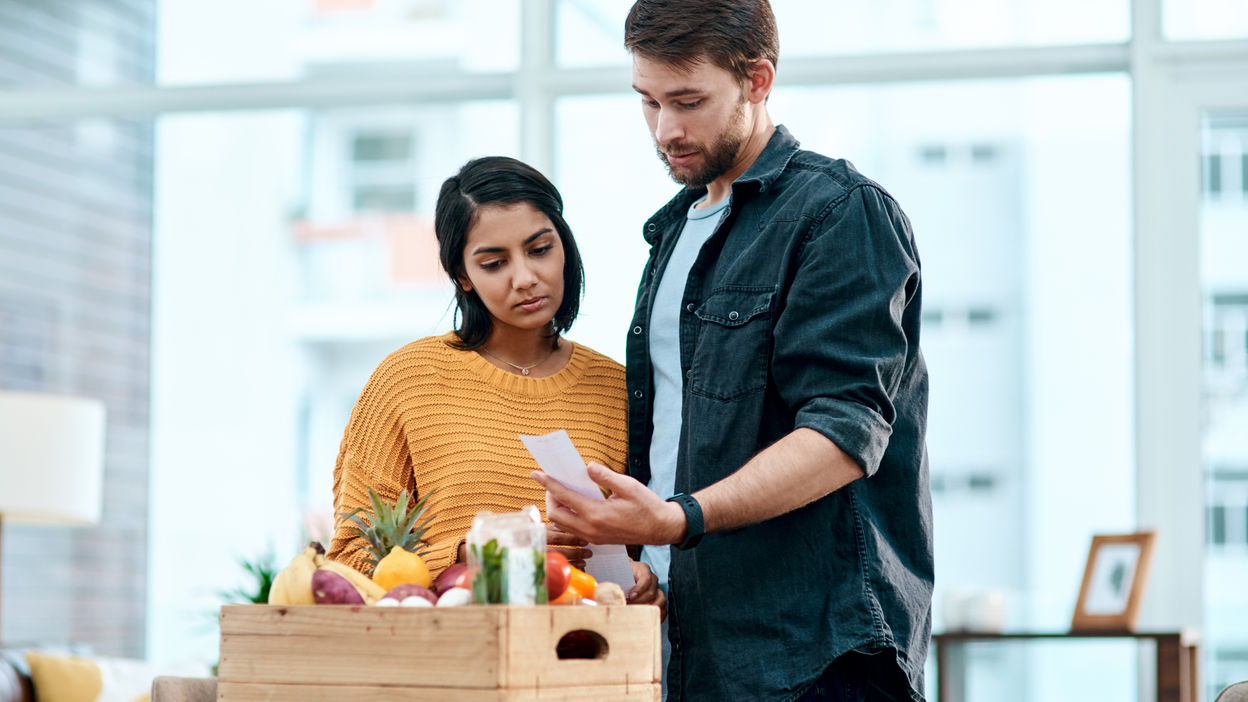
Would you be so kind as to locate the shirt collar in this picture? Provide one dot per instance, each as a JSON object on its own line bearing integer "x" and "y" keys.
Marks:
{"x": 772, "y": 161}
{"x": 765, "y": 170}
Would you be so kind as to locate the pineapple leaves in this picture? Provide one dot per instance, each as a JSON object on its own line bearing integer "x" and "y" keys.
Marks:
{"x": 389, "y": 527}
{"x": 381, "y": 511}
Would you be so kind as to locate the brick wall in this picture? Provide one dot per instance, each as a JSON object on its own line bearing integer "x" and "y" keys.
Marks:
{"x": 75, "y": 254}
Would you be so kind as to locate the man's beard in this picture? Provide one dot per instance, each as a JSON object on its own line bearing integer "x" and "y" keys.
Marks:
{"x": 716, "y": 161}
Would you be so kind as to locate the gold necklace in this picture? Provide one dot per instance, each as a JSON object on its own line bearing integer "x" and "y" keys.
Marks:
{"x": 524, "y": 370}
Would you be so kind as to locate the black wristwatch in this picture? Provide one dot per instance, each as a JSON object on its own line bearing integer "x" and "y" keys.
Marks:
{"x": 694, "y": 526}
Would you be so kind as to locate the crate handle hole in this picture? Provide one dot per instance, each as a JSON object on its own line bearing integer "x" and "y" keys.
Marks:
{"x": 581, "y": 644}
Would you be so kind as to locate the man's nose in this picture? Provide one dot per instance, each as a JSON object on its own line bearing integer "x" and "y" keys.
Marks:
{"x": 668, "y": 127}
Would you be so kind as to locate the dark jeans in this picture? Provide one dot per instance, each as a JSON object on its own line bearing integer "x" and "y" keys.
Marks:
{"x": 860, "y": 677}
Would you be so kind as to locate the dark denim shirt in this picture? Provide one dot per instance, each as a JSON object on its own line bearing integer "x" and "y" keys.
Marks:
{"x": 802, "y": 310}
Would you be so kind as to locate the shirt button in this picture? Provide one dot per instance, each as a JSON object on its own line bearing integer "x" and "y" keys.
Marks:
{"x": 650, "y": 227}
{"x": 733, "y": 315}
{"x": 689, "y": 306}
{"x": 638, "y": 394}
{"x": 689, "y": 373}
{"x": 637, "y": 330}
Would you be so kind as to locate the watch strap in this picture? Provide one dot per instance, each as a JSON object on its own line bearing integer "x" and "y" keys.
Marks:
{"x": 695, "y": 527}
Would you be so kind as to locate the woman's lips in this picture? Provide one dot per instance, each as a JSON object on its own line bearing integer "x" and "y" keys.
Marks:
{"x": 532, "y": 304}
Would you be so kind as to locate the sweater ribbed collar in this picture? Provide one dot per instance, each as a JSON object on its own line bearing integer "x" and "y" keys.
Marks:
{"x": 520, "y": 385}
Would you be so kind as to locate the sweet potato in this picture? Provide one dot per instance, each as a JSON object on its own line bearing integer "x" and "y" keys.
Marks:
{"x": 329, "y": 587}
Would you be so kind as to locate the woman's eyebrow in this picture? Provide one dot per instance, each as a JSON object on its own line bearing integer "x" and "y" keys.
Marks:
{"x": 497, "y": 249}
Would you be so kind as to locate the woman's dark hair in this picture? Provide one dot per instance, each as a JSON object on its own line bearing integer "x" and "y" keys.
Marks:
{"x": 500, "y": 181}
{"x": 730, "y": 34}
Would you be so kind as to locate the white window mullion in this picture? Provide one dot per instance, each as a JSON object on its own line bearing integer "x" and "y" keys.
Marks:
{"x": 537, "y": 107}
{"x": 1167, "y": 330}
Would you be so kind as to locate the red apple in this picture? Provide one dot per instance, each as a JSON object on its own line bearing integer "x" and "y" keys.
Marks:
{"x": 457, "y": 575}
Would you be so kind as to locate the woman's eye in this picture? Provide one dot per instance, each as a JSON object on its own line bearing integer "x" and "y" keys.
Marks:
{"x": 541, "y": 250}
{"x": 490, "y": 265}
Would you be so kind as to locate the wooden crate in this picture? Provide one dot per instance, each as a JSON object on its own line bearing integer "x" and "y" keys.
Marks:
{"x": 478, "y": 652}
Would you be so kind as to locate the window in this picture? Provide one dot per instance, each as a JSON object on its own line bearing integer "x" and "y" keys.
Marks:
{"x": 383, "y": 172}
{"x": 333, "y": 40}
{"x": 1228, "y": 508}
{"x": 1024, "y": 325}
{"x": 1227, "y": 344}
{"x": 269, "y": 276}
{"x": 590, "y": 31}
{"x": 1224, "y": 444}
{"x": 1226, "y": 160}
{"x": 1204, "y": 19}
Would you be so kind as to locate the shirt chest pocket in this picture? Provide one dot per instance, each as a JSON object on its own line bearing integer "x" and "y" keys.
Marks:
{"x": 734, "y": 335}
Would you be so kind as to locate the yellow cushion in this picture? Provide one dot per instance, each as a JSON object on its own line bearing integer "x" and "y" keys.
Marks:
{"x": 100, "y": 678}
{"x": 64, "y": 678}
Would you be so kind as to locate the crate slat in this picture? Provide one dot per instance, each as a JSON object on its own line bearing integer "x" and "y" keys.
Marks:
{"x": 260, "y": 692}
{"x": 392, "y": 659}
{"x": 331, "y": 620}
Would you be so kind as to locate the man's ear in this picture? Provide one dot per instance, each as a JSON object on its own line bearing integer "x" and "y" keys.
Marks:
{"x": 762, "y": 78}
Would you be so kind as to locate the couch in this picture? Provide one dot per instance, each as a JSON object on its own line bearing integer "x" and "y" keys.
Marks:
{"x": 14, "y": 683}
{"x": 1235, "y": 693}
{"x": 120, "y": 678}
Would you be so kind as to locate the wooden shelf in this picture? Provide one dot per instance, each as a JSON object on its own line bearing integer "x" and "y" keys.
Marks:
{"x": 1178, "y": 654}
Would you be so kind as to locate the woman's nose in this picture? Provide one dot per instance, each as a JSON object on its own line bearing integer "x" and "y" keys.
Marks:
{"x": 524, "y": 277}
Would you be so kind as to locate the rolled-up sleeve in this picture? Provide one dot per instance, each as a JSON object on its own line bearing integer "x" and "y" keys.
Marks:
{"x": 840, "y": 343}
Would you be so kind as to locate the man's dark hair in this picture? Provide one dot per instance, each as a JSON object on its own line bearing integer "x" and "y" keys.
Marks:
{"x": 730, "y": 34}
{"x": 499, "y": 181}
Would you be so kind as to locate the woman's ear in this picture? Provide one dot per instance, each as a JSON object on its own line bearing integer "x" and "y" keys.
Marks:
{"x": 463, "y": 283}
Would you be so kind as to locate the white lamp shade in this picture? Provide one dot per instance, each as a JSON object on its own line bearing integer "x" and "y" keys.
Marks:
{"x": 51, "y": 458}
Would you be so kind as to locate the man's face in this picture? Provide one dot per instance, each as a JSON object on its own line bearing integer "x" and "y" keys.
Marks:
{"x": 697, "y": 118}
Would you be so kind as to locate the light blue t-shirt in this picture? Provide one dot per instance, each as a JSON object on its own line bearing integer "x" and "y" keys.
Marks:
{"x": 665, "y": 362}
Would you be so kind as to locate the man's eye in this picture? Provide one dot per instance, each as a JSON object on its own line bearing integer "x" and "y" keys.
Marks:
{"x": 652, "y": 104}
{"x": 691, "y": 105}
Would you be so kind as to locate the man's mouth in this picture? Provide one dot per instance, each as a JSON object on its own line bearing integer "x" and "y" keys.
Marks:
{"x": 679, "y": 159}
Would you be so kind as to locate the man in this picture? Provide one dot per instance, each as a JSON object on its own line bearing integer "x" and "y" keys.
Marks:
{"x": 775, "y": 385}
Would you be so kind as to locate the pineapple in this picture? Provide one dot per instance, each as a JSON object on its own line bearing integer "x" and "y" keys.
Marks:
{"x": 388, "y": 528}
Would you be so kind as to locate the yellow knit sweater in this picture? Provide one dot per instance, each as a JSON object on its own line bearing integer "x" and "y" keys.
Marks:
{"x": 432, "y": 416}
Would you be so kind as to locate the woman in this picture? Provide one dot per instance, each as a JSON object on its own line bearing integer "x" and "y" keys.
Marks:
{"x": 446, "y": 412}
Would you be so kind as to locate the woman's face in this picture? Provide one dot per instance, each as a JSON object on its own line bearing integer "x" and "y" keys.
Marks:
{"x": 513, "y": 258}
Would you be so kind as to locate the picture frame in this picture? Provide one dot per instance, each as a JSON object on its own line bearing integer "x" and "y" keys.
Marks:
{"x": 1113, "y": 582}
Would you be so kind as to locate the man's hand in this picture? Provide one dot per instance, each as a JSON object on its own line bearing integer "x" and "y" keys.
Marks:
{"x": 646, "y": 591}
{"x": 631, "y": 515}
{"x": 569, "y": 545}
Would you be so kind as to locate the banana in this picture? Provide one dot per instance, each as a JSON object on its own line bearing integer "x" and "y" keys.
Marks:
{"x": 293, "y": 586}
{"x": 278, "y": 594}
{"x": 369, "y": 590}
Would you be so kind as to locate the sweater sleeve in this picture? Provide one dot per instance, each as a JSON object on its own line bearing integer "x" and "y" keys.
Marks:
{"x": 373, "y": 453}
{"x": 442, "y": 554}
